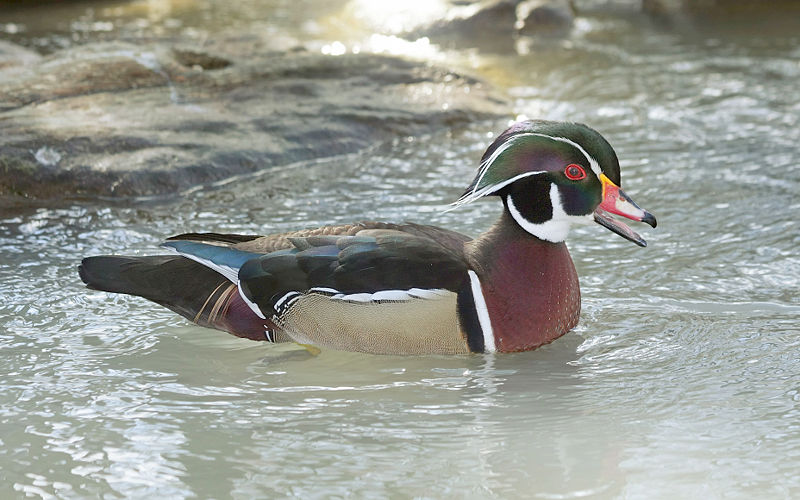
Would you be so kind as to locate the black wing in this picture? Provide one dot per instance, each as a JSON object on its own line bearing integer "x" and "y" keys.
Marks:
{"x": 371, "y": 261}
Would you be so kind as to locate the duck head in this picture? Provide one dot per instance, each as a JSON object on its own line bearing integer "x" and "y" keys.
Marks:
{"x": 551, "y": 175}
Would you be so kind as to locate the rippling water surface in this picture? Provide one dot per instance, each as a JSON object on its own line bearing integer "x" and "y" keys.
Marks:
{"x": 682, "y": 380}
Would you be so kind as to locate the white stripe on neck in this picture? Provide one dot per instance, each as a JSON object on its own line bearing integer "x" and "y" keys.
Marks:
{"x": 482, "y": 311}
{"x": 554, "y": 230}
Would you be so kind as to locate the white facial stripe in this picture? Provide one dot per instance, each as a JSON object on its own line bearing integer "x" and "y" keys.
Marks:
{"x": 592, "y": 162}
{"x": 555, "y": 200}
{"x": 484, "y": 168}
{"x": 555, "y": 230}
{"x": 482, "y": 311}
{"x": 493, "y": 188}
{"x": 497, "y": 152}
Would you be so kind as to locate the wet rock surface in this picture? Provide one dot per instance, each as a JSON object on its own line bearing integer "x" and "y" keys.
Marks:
{"x": 121, "y": 120}
{"x": 494, "y": 25}
{"x": 545, "y": 17}
{"x": 480, "y": 24}
{"x": 14, "y": 56}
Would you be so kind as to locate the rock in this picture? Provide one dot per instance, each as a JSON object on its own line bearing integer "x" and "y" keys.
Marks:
{"x": 482, "y": 19}
{"x": 546, "y": 17}
{"x": 488, "y": 25}
{"x": 722, "y": 17}
{"x": 12, "y": 55}
{"x": 118, "y": 120}
{"x": 494, "y": 25}
{"x": 199, "y": 60}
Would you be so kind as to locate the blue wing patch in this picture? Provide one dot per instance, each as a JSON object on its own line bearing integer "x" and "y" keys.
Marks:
{"x": 225, "y": 260}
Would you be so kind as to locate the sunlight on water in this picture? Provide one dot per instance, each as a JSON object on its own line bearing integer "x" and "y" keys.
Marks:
{"x": 680, "y": 382}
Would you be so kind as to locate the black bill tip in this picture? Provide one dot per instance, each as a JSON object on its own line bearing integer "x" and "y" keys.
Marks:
{"x": 649, "y": 219}
{"x": 618, "y": 227}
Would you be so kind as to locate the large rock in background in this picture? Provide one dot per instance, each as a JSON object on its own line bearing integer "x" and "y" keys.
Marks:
{"x": 495, "y": 25}
{"x": 115, "y": 119}
{"x": 15, "y": 57}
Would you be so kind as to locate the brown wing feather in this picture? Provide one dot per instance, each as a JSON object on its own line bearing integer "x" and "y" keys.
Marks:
{"x": 451, "y": 240}
{"x": 281, "y": 241}
{"x": 216, "y": 238}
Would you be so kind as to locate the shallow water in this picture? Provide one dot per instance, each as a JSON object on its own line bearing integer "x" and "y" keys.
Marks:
{"x": 682, "y": 380}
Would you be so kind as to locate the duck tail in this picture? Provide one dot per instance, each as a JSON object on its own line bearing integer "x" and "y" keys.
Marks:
{"x": 188, "y": 288}
{"x": 169, "y": 280}
{"x": 152, "y": 277}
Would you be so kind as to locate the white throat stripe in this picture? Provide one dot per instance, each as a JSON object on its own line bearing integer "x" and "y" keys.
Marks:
{"x": 555, "y": 230}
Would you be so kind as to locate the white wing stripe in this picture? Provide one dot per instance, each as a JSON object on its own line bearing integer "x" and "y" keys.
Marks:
{"x": 483, "y": 312}
{"x": 250, "y": 304}
{"x": 279, "y": 303}
{"x": 367, "y": 297}
{"x": 391, "y": 295}
{"x": 230, "y": 273}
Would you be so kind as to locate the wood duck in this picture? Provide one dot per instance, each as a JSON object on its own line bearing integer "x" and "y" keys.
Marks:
{"x": 406, "y": 288}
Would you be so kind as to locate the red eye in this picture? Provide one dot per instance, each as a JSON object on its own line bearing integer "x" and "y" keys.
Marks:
{"x": 574, "y": 172}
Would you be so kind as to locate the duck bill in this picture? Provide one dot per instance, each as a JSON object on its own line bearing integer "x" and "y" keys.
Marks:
{"x": 615, "y": 201}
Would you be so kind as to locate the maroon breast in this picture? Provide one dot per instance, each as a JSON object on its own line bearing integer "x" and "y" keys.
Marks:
{"x": 531, "y": 292}
{"x": 225, "y": 310}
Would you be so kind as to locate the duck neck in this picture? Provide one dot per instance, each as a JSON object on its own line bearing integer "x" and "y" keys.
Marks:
{"x": 529, "y": 285}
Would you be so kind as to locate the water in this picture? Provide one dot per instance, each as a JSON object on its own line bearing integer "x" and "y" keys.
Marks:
{"x": 682, "y": 380}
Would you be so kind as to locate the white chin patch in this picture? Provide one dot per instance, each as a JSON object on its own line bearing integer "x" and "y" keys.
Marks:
{"x": 583, "y": 220}
{"x": 556, "y": 229}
